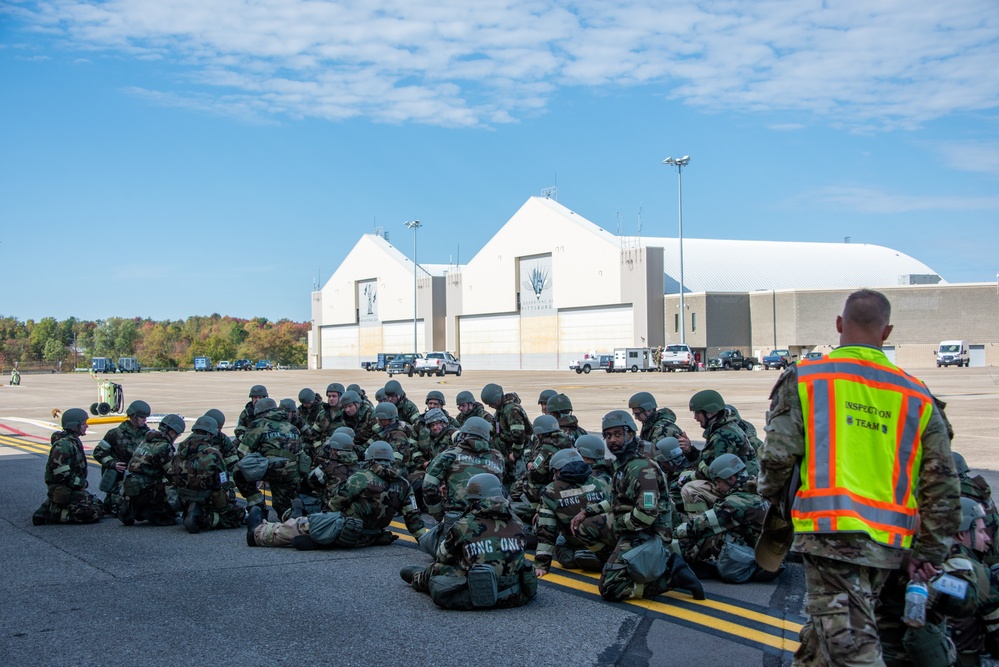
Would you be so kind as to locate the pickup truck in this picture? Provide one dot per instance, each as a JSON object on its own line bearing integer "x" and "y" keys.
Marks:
{"x": 731, "y": 360}
{"x": 403, "y": 363}
{"x": 438, "y": 363}
{"x": 590, "y": 362}
{"x": 678, "y": 356}
{"x": 779, "y": 359}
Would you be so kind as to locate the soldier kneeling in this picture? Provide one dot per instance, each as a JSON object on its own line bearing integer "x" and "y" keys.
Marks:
{"x": 206, "y": 491}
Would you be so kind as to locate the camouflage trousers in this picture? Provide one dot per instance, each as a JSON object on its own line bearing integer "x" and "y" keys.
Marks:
{"x": 280, "y": 534}
{"x": 81, "y": 507}
{"x": 840, "y": 600}
{"x": 524, "y": 587}
{"x": 282, "y": 492}
{"x": 598, "y": 535}
{"x": 699, "y": 495}
{"x": 151, "y": 504}
{"x": 218, "y": 510}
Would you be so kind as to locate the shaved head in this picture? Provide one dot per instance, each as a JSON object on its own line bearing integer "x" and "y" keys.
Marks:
{"x": 865, "y": 319}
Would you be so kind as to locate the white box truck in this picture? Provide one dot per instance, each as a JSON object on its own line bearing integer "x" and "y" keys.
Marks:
{"x": 632, "y": 359}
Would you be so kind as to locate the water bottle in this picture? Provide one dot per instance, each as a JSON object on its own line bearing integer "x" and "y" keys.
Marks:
{"x": 916, "y": 595}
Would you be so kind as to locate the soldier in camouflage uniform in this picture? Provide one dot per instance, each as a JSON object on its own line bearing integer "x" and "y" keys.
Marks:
{"x": 657, "y": 423}
{"x": 560, "y": 407}
{"x": 845, "y": 571}
{"x": 723, "y": 436}
{"x": 399, "y": 434}
{"x": 451, "y": 469}
{"x": 289, "y": 406}
{"x": 364, "y": 504}
{"x": 978, "y": 490}
{"x": 591, "y": 448}
{"x": 357, "y": 416}
{"x": 543, "y": 400}
{"x": 512, "y": 429}
{"x": 204, "y": 485}
{"x": 639, "y": 510}
{"x": 257, "y": 392}
{"x": 145, "y": 482}
{"x": 67, "y": 498}
{"x": 548, "y": 439}
{"x": 736, "y": 517}
{"x": 335, "y": 461}
{"x": 747, "y": 428}
{"x": 437, "y": 434}
{"x": 573, "y": 489}
{"x": 408, "y": 412}
{"x": 271, "y": 435}
{"x": 469, "y": 407}
{"x": 480, "y": 563}
{"x": 977, "y": 632}
{"x": 310, "y": 408}
{"x": 115, "y": 450}
{"x": 223, "y": 443}
{"x": 365, "y": 401}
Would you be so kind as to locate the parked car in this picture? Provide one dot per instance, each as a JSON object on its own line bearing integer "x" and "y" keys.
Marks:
{"x": 438, "y": 363}
{"x": 779, "y": 359}
{"x": 404, "y": 363}
{"x": 679, "y": 356}
{"x": 243, "y": 365}
{"x": 129, "y": 365}
{"x": 264, "y": 365}
{"x": 731, "y": 360}
{"x": 224, "y": 366}
{"x": 586, "y": 364}
{"x": 813, "y": 355}
{"x": 203, "y": 364}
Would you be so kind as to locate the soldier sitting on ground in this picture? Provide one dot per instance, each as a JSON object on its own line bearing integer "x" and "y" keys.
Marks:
{"x": 560, "y": 407}
{"x": 335, "y": 461}
{"x": 145, "y": 482}
{"x": 591, "y": 448}
{"x": 115, "y": 449}
{"x": 66, "y": 476}
{"x": 469, "y": 407}
{"x": 548, "y": 439}
{"x": 206, "y": 490}
{"x": 272, "y": 437}
{"x": 977, "y": 489}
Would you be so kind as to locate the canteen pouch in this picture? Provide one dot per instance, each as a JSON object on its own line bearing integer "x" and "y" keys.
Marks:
{"x": 450, "y": 592}
{"x": 326, "y": 527}
{"x": 647, "y": 562}
{"x": 929, "y": 646}
{"x": 482, "y": 588}
{"x": 253, "y": 466}
{"x": 736, "y": 562}
{"x": 108, "y": 480}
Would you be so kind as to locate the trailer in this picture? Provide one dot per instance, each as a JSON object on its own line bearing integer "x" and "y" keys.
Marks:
{"x": 633, "y": 359}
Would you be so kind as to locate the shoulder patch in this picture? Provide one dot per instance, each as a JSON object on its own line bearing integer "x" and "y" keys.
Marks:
{"x": 649, "y": 500}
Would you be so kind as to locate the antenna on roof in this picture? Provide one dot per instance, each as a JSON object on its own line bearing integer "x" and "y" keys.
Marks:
{"x": 618, "y": 213}
{"x": 846, "y": 239}
{"x": 550, "y": 193}
{"x": 639, "y": 222}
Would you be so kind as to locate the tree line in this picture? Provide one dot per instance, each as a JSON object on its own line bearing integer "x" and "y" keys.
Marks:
{"x": 72, "y": 343}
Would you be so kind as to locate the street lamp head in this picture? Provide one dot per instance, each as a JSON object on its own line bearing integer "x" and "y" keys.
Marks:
{"x": 413, "y": 224}
{"x": 677, "y": 161}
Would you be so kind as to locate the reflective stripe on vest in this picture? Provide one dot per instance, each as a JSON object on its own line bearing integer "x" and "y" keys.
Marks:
{"x": 862, "y": 415}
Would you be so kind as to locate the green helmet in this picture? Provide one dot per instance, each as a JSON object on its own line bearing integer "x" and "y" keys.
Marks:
{"x": 591, "y": 446}
{"x": 970, "y": 510}
{"x": 346, "y": 429}
{"x": 258, "y": 391}
{"x": 393, "y": 388}
{"x": 643, "y": 400}
{"x": 138, "y": 409}
{"x": 725, "y": 466}
{"x": 72, "y": 418}
{"x": 464, "y": 397}
{"x": 483, "y": 485}
{"x": 349, "y": 397}
{"x": 433, "y": 416}
{"x": 174, "y": 423}
{"x": 545, "y": 395}
{"x": 545, "y": 424}
{"x": 379, "y": 450}
{"x": 667, "y": 445}
{"x": 334, "y": 387}
{"x": 563, "y": 457}
{"x": 707, "y": 400}
{"x": 288, "y": 404}
{"x": 476, "y": 427}
{"x": 559, "y": 403}
{"x": 306, "y": 396}
{"x": 960, "y": 465}
{"x": 732, "y": 411}
{"x": 354, "y": 387}
{"x": 206, "y": 425}
{"x": 341, "y": 442}
{"x": 217, "y": 415}
{"x": 618, "y": 418}
{"x": 433, "y": 394}
{"x": 386, "y": 410}
{"x": 380, "y": 395}
{"x": 492, "y": 394}
{"x": 264, "y": 405}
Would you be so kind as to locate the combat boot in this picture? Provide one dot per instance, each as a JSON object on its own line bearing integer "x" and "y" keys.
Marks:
{"x": 409, "y": 572}
{"x": 125, "y": 514}
{"x": 254, "y": 518}
{"x": 304, "y": 543}
{"x": 297, "y": 509}
{"x": 39, "y": 518}
{"x": 681, "y": 576}
{"x": 191, "y": 523}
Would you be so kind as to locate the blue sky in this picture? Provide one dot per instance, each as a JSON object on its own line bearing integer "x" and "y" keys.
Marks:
{"x": 184, "y": 157}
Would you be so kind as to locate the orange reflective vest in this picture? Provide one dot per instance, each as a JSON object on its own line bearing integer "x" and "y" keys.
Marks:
{"x": 864, "y": 422}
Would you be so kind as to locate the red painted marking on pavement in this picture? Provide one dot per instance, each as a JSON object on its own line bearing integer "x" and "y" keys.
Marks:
{"x": 22, "y": 433}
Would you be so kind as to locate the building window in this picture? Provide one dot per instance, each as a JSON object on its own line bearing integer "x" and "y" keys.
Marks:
{"x": 676, "y": 322}
{"x": 693, "y": 322}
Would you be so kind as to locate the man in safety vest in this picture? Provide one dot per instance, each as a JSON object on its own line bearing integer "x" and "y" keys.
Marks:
{"x": 871, "y": 448}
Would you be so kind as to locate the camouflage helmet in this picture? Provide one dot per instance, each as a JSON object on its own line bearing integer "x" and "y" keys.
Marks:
{"x": 476, "y": 427}
{"x": 335, "y": 387}
{"x": 306, "y": 396}
{"x": 960, "y": 465}
{"x": 380, "y": 395}
{"x": 386, "y": 410}
{"x": 434, "y": 416}
{"x": 707, "y": 400}
{"x": 491, "y": 394}
{"x": 970, "y": 510}
{"x": 217, "y": 415}
{"x": 288, "y": 404}
{"x": 174, "y": 423}
{"x": 341, "y": 442}
{"x": 563, "y": 457}
{"x": 349, "y": 397}
{"x": 483, "y": 485}
{"x": 559, "y": 403}
{"x": 733, "y": 411}
{"x": 72, "y": 418}
{"x": 379, "y": 450}
{"x": 545, "y": 395}
{"x": 264, "y": 405}
{"x": 464, "y": 397}
{"x": 346, "y": 429}
{"x": 643, "y": 400}
{"x": 616, "y": 418}
{"x": 206, "y": 424}
{"x": 667, "y": 445}
{"x": 258, "y": 391}
{"x": 435, "y": 395}
{"x": 725, "y": 466}
{"x": 138, "y": 409}
{"x": 393, "y": 388}
{"x": 591, "y": 446}
{"x": 545, "y": 424}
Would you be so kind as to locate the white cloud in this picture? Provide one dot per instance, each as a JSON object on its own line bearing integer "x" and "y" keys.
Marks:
{"x": 879, "y": 64}
{"x": 881, "y": 202}
{"x": 975, "y": 156}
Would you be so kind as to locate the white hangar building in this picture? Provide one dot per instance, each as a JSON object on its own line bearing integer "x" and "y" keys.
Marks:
{"x": 551, "y": 285}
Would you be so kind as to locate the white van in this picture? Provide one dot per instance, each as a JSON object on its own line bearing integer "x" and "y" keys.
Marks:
{"x": 953, "y": 353}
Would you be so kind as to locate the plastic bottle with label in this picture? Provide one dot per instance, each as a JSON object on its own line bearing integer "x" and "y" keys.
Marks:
{"x": 916, "y": 597}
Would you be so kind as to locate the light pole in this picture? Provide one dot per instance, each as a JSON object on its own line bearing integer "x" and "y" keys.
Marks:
{"x": 414, "y": 225}
{"x": 680, "y": 163}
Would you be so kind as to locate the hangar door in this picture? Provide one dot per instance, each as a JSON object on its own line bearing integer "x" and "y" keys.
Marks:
{"x": 597, "y": 330}
{"x": 489, "y": 341}
{"x": 398, "y": 337}
{"x": 340, "y": 347}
